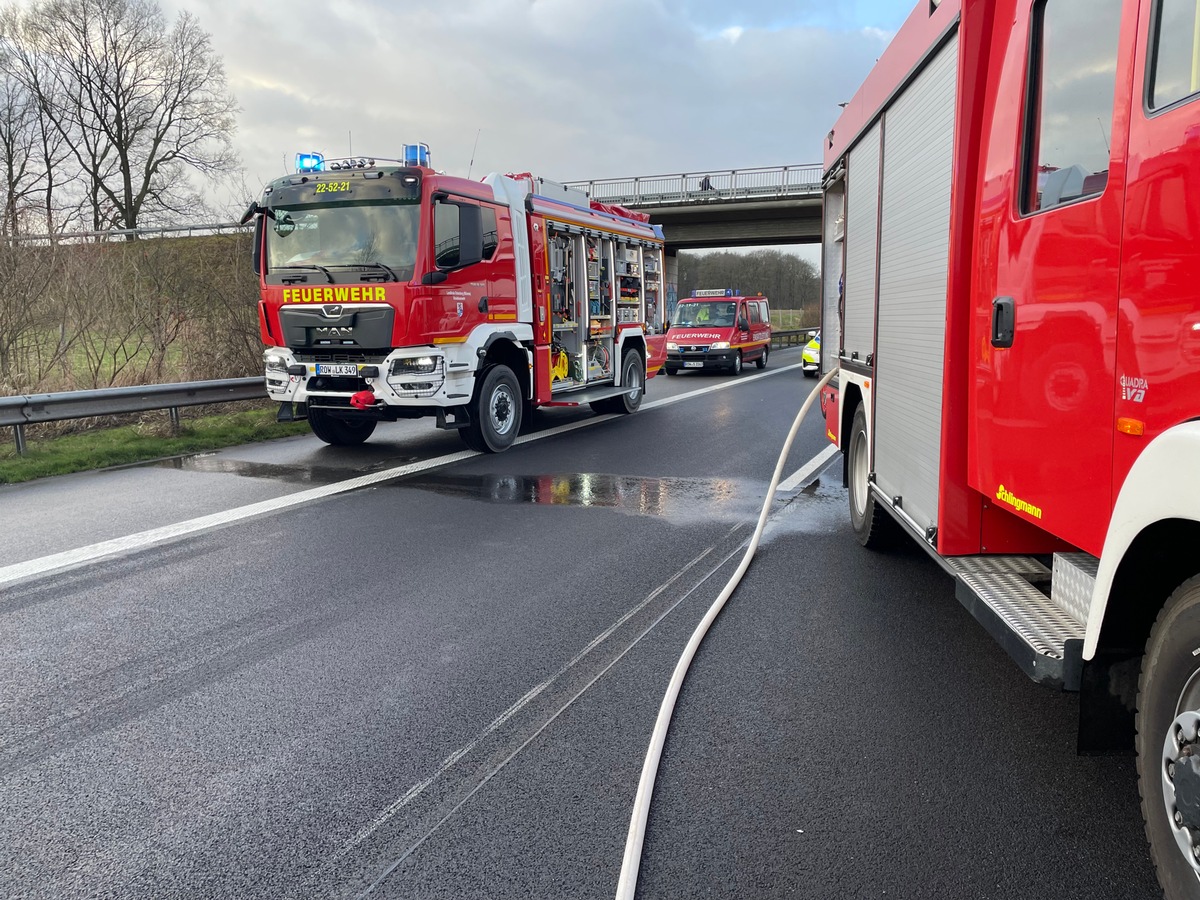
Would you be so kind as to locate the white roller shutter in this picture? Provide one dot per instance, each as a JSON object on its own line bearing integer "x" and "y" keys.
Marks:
{"x": 918, "y": 157}
{"x": 831, "y": 274}
{"x": 862, "y": 233}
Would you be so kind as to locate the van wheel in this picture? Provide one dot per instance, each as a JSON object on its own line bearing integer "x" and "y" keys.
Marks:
{"x": 339, "y": 432}
{"x": 761, "y": 362}
{"x": 872, "y": 526}
{"x": 495, "y": 412}
{"x": 1168, "y": 745}
{"x": 737, "y": 363}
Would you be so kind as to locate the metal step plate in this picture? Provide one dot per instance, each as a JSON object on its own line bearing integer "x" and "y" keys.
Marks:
{"x": 1045, "y": 641}
{"x": 1074, "y": 579}
{"x": 587, "y": 395}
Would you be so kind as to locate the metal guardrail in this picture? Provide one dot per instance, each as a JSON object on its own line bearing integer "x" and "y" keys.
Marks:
{"x": 113, "y": 234}
{"x": 703, "y": 187}
{"x": 30, "y": 409}
{"x": 796, "y": 338}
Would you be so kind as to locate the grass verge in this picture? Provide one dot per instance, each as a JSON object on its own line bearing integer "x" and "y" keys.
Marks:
{"x": 103, "y": 447}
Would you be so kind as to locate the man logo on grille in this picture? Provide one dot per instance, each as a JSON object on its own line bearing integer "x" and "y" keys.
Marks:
{"x": 332, "y": 312}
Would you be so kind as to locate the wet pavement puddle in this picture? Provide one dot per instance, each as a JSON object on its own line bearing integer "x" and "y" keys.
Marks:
{"x": 299, "y": 473}
{"x": 678, "y": 500}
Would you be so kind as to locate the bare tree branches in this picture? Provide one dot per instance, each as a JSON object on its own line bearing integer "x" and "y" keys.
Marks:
{"x": 125, "y": 106}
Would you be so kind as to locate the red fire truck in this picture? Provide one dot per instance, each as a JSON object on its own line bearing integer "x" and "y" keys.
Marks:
{"x": 390, "y": 290}
{"x": 1009, "y": 294}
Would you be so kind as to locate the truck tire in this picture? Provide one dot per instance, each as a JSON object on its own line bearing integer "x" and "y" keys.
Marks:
{"x": 872, "y": 525}
{"x": 761, "y": 362}
{"x": 495, "y": 411}
{"x": 737, "y": 363}
{"x": 339, "y": 432}
{"x": 633, "y": 372}
{"x": 1168, "y": 772}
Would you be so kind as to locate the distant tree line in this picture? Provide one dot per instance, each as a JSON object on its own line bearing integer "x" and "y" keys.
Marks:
{"x": 788, "y": 281}
{"x": 105, "y": 111}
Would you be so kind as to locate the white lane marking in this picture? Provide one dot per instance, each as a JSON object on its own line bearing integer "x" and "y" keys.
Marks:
{"x": 69, "y": 559}
{"x": 419, "y": 788}
{"x": 795, "y": 480}
{"x": 732, "y": 382}
{"x": 495, "y": 770}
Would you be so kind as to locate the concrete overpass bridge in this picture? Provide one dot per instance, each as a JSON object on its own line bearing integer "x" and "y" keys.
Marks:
{"x": 727, "y": 208}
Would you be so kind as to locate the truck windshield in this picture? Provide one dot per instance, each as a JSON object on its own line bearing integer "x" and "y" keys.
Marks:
{"x": 716, "y": 313}
{"x": 379, "y": 236}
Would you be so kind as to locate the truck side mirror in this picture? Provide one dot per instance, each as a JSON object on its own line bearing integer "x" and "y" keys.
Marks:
{"x": 743, "y": 324}
{"x": 256, "y": 255}
{"x": 470, "y": 225}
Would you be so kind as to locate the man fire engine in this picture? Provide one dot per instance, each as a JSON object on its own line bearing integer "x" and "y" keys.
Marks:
{"x": 392, "y": 291}
{"x": 1011, "y": 199}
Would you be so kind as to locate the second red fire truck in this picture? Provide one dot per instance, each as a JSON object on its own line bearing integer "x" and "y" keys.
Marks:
{"x": 1010, "y": 268}
{"x": 393, "y": 291}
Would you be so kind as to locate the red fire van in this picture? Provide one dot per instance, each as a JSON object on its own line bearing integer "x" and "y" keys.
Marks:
{"x": 718, "y": 329}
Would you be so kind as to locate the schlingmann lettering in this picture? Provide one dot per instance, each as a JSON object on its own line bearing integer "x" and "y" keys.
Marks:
{"x": 1016, "y": 503}
{"x": 333, "y": 294}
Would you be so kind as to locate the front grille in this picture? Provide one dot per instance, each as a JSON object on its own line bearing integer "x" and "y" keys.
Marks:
{"x": 335, "y": 384}
{"x": 339, "y": 356}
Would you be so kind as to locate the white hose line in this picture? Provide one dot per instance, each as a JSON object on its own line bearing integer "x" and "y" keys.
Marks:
{"x": 627, "y": 884}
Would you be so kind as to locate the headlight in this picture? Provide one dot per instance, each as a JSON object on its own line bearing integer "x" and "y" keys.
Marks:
{"x": 719, "y": 345}
{"x": 671, "y": 345}
{"x": 275, "y": 362}
{"x": 414, "y": 365}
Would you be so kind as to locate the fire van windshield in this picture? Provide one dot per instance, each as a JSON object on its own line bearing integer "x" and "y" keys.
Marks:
{"x": 376, "y": 236}
{"x": 715, "y": 314}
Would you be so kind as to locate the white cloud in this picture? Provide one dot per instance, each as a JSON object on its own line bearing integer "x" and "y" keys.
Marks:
{"x": 569, "y": 89}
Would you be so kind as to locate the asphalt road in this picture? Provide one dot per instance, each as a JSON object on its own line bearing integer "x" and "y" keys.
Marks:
{"x": 441, "y": 685}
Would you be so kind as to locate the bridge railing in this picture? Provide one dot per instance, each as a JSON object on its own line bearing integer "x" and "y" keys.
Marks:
{"x": 704, "y": 187}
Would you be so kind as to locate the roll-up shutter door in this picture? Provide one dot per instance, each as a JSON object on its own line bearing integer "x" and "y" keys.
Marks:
{"x": 862, "y": 233}
{"x": 834, "y": 209}
{"x": 918, "y": 157}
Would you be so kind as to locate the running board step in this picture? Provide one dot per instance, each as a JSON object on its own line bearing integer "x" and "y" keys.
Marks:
{"x": 587, "y": 395}
{"x": 1001, "y": 593}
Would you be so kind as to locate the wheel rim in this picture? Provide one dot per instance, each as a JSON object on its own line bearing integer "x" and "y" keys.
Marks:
{"x": 737, "y": 363}
{"x": 633, "y": 376}
{"x": 1180, "y": 773}
{"x": 500, "y": 410}
{"x": 858, "y": 473}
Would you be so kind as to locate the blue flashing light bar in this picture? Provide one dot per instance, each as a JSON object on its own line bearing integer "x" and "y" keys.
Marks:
{"x": 416, "y": 154}
{"x": 310, "y": 162}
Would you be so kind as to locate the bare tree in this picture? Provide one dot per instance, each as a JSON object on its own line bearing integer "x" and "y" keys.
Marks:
{"x": 32, "y": 153}
{"x": 139, "y": 104}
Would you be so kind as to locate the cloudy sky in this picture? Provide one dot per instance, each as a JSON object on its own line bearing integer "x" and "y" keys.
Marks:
{"x": 567, "y": 89}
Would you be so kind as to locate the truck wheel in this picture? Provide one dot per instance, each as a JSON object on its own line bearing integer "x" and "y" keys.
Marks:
{"x": 495, "y": 413}
{"x": 339, "y": 432}
{"x": 761, "y": 362}
{"x": 1168, "y": 746}
{"x": 668, "y": 371}
{"x": 633, "y": 375}
{"x": 872, "y": 525}
{"x": 737, "y": 363}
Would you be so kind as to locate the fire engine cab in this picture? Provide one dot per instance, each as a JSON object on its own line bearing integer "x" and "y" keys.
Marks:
{"x": 718, "y": 329}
